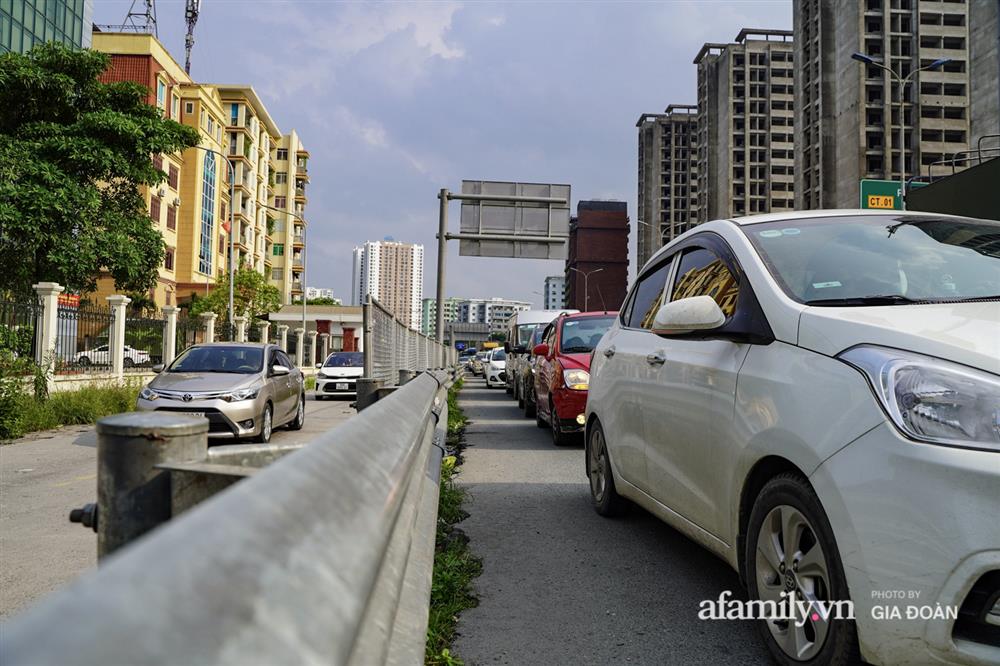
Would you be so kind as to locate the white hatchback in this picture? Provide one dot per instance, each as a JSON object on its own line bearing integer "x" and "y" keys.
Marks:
{"x": 815, "y": 398}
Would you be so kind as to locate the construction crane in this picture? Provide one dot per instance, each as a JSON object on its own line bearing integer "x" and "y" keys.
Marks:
{"x": 141, "y": 17}
{"x": 191, "y": 16}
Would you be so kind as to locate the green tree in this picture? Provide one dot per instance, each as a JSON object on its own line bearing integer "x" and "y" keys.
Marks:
{"x": 322, "y": 300}
{"x": 252, "y": 296}
{"x": 73, "y": 153}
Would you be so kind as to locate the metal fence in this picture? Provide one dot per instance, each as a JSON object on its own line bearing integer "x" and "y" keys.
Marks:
{"x": 391, "y": 346}
{"x": 143, "y": 340}
{"x": 189, "y": 332}
{"x": 83, "y": 332}
{"x": 17, "y": 328}
{"x": 324, "y": 556}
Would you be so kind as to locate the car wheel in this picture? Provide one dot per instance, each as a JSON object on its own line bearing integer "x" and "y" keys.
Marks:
{"x": 539, "y": 421}
{"x": 605, "y": 497}
{"x": 519, "y": 396}
{"x": 266, "y": 425}
{"x": 300, "y": 414}
{"x": 559, "y": 438}
{"x": 530, "y": 408}
{"x": 83, "y": 360}
{"x": 508, "y": 389}
{"x": 790, "y": 550}
{"x": 128, "y": 363}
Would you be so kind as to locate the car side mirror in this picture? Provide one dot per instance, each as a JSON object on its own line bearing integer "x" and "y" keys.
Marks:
{"x": 541, "y": 350}
{"x": 697, "y": 313}
{"x": 279, "y": 370}
{"x": 506, "y": 347}
{"x": 521, "y": 349}
{"x": 319, "y": 365}
{"x": 158, "y": 368}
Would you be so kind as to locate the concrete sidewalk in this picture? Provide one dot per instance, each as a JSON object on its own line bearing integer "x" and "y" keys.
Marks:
{"x": 562, "y": 585}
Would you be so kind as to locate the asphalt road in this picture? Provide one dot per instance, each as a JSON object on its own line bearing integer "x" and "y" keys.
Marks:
{"x": 44, "y": 475}
{"x": 562, "y": 585}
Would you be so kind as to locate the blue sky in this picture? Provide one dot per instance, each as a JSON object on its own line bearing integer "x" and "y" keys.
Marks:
{"x": 397, "y": 100}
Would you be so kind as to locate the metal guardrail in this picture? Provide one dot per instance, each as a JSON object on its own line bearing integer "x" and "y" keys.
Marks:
{"x": 324, "y": 556}
{"x": 391, "y": 346}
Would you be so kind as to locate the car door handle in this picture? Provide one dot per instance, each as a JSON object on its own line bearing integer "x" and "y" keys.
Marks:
{"x": 656, "y": 359}
{"x": 609, "y": 352}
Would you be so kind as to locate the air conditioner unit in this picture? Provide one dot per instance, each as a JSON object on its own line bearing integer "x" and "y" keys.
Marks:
{"x": 163, "y": 192}
{"x": 177, "y": 201}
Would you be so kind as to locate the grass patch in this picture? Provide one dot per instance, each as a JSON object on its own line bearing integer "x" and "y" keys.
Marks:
{"x": 454, "y": 565}
{"x": 310, "y": 383}
{"x": 25, "y": 413}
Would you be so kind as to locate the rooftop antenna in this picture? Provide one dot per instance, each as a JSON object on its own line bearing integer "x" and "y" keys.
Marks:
{"x": 191, "y": 16}
{"x": 141, "y": 18}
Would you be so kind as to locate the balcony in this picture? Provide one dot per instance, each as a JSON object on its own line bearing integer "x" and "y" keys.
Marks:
{"x": 298, "y": 240}
{"x": 296, "y": 287}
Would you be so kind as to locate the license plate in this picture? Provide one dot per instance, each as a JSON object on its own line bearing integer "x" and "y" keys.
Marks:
{"x": 195, "y": 413}
{"x": 341, "y": 387}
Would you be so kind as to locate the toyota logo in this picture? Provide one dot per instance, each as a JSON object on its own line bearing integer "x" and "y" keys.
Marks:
{"x": 187, "y": 397}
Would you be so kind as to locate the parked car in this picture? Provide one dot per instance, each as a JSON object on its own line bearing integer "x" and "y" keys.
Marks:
{"x": 338, "y": 374}
{"x": 815, "y": 398}
{"x": 243, "y": 389}
{"x": 527, "y": 368}
{"x": 478, "y": 362}
{"x": 520, "y": 328}
{"x": 562, "y": 372}
{"x": 102, "y": 356}
{"x": 495, "y": 368}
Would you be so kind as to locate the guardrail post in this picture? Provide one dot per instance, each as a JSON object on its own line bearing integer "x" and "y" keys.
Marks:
{"x": 169, "y": 333}
{"x": 283, "y": 337}
{"x": 367, "y": 388}
{"x": 208, "y": 319}
{"x": 300, "y": 344}
{"x": 405, "y": 376}
{"x": 116, "y": 339}
{"x": 312, "y": 348}
{"x": 45, "y": 327}
{"x": 241, "y": 327}
{"x": 133, "y": 496}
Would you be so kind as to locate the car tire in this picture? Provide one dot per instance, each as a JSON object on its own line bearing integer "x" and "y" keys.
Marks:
{"x": 530, "y": 408}
{"x": 559, "y": 438}
{"x": 266, "y": 425}
{"x": 300, "y": 414}
{"x": 128, "y": 363}
{"x": 83, "y": 360}
{"x": 508, "y": 389}
{"x": 519, "y": 396}
{"x": 788, "y": 499}
{"x": 603, "y": 494}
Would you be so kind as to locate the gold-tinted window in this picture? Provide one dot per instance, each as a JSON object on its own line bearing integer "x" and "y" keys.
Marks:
{"x": 702, "y": 273}
{"x": 648, "y": 297}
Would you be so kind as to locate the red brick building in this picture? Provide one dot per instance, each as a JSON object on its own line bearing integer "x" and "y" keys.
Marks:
{"x": 598, "y": 239}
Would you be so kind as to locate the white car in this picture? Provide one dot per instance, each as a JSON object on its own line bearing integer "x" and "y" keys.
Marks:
{"x": 339, "y": 374}
{"x": 494, "y": 368}
{"x": 815, "y": 398}
{"x": 102, "y": 356}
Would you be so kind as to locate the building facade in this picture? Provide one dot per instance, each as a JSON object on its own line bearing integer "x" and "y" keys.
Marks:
{"x": 848, "y": 114}
{"x": 745, "y": 129}
{"x": 554, "y": 294}
{"x": 597, "y": 259}
{"x": 668, "y": 177}
{"x": 428, "y": 314}
{"x": 290, "y": 162}
{"x": 393, "y": 273}
{"x": 26, "y": 23}
{"x": 495, "y": 312}
{"x": 319, "y": 292}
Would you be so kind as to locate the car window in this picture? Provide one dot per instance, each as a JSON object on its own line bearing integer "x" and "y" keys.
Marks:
{"x": 649, "y": 297}
{"x": 499, "y": 355}
{"x": 345, "y": 360}
{"x": 580, "y": 336}
{"x": 283, "y": 359}
{"x": 238, "y": 360}
{"x": 702, "y": 273}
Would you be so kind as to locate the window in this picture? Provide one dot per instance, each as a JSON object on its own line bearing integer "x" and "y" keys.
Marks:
{"x": 171, "y": 217}
{"x": 282, "y": 154}
{"x": 283, "y": 359}
{"x": 279, "y": 249}
{"x": 280, "y": 202}
{"x": 175, "y": 107}
{"x": 234, "y": 118}
{"x": 173, "y": 175}
{"x": 222, "y": 244}
{"x": 703, "y": 273}
{"x": 154, "y": 209}
{"x": 280, "y": 177}
{"x": 188, "y": 107}
{"x": 648, "y": 297}
{"x": 161, "y": 94}
{"x": 207, "y": 215}
{"x": 158, "y": 162}
{"x": 168, "y": 259}
{"x": 278, "y": 274}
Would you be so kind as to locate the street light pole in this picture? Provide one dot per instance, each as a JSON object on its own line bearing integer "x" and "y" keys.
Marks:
{"x": 232, "y": 225}
{"x": 868, "y": 60}
{"x": 586, "y": 285}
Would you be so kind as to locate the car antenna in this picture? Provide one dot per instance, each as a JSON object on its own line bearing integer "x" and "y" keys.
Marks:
{"x": 603, "y": 305}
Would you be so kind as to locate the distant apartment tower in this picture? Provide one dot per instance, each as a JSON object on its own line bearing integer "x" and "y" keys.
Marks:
{"x": 668, "y": 182}
{"x": 597, "y": 258}
{"x": 393, "y": 273}
{"x": 428, "y": 314}
{"x": 493, "y": 311}
{"x": 319, "y": 292}
{"x": 27, "y": 23}
{"x": 848, "y": 113}
{"x": 554, "y": 295}
{"x": 745, "y": 137}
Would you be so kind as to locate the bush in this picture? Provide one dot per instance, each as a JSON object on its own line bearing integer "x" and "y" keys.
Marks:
{"x": 21, "y": 413}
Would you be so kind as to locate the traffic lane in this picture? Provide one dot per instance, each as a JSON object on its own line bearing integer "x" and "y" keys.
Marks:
{"x": 45, "y": 475}
{"x": 561, "y": 584}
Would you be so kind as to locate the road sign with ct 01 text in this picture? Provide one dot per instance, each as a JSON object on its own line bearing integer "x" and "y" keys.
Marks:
{"x": 883, "y": 194}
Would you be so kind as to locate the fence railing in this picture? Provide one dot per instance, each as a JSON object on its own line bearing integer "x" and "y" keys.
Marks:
{"x": 323, "y": 556}
{"x": 83, "y": 332}
{"x": 18, "y": 332}
{"x": 391, "y": 346}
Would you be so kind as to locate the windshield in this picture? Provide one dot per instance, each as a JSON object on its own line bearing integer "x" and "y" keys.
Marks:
{"x": 580, "y": 336}
{"x": 499, "y": 355}
{"x": 881, "y": 259}
{"x": 524, "y": 332}
{"x": 237, "y": 360}
{"x": 345, "y": 360}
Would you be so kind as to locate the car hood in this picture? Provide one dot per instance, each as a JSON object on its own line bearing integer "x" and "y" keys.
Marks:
{"x": 342, "y": 372}
{"x": 575, "y": 361}
{"x": 197, "y": 381}
{"x": 967, "y": 333}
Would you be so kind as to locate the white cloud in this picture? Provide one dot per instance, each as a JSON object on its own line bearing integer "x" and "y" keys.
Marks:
{"x": 497, "y": 21}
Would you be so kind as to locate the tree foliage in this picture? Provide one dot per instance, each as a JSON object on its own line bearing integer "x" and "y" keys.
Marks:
{"x": 73, "y": 153}
{"x": 252, "y": 296}
{"x": 323, "y": 300}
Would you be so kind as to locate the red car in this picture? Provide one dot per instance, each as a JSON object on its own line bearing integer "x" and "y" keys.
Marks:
{"x": 562, "y": 371}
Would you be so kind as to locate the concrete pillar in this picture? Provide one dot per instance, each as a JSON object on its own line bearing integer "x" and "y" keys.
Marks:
{"x": 240, "y": 322}
{"x": 116, "y": 341}
{"x": 312, "y": 348}
{"x": 283, "y": 337}
{"x": 169, "y": 333}
{"x": 300, "y": 334}
{"x": 324, "y": 346}
{"x": 265, "y": 330}
{"x": 208, "y": 320}
{"x": 45, "y": 327}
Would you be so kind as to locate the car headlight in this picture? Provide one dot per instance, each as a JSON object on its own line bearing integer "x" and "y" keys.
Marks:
{"x": 242, "y": 394}
{"x": 578, "y": 380}
{"x": 932, "y": 400}
{"x": 148, "y": 394}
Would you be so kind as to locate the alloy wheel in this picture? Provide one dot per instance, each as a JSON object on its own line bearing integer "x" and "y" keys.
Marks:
{"x": 598, "y": 467}
{"x": 266, "y": 427}
{"x": 792, "y": 567}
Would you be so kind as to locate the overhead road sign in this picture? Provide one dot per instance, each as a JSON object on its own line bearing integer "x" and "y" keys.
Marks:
{"x": 884, "y": 194}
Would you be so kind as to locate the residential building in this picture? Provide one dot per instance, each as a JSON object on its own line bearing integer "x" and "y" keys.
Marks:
{"x": 393, "y": 273}
{"x": 597, "y": 259}
{"x": 290, "y": 161}
{"x": 745, "y": 132}
{"x": 25, "y": 23}
{"x": 317, "y": 292}
{"x": 848, "y": 114}
{"x": 495, "y": 312}
{"x": 428, "y": 314}
{"x": 668, "y": 177}
{"x": 554, "y": 294}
